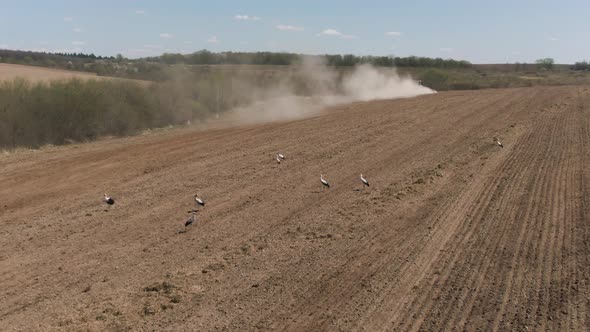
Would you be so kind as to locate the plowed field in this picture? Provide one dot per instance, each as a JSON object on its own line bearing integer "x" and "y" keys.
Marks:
{"x": 454, "y": 232}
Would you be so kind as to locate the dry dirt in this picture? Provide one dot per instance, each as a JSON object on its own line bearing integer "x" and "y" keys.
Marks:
{"x": 40, "y": 74}
{"x": 10, "y": 71}
{"x": 454, "y": 232}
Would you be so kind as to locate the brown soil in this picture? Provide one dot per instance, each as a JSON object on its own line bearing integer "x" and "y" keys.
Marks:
{"x": 454, "y": 233}
{"x": 9, "y": 72}
{"x": 40, "y": 74}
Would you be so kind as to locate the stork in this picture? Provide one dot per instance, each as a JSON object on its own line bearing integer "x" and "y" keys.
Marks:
{"x": 278, "y": 158}
{"x": 365, "y": 182}
{"x": 109, "y": 200}
{"x": 192, "y": 218}
{"x": 498, "y": 142}
{"x": 281, "y": 156}
{"x": 324, "y": 182}
{"x": 198, "y": 201}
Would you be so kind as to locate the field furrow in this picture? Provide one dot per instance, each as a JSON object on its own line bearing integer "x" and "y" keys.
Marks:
{"x": 454, "y": 232}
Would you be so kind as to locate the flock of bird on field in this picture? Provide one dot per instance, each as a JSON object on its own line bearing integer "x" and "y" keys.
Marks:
{"x": 279, "y": 157}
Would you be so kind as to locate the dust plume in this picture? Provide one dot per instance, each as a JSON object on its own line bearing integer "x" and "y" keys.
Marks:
{"x": 312, "y": 86}
{"x": 368, "y": 83}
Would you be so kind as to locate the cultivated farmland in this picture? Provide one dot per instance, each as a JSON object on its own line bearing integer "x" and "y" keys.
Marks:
{"x": 453, "y": 233}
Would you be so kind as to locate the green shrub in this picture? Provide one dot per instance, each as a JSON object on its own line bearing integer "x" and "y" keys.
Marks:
{"x": 81, "y": 110}
{"x": 464, "y": 86}
{"x": 435, "y": 79}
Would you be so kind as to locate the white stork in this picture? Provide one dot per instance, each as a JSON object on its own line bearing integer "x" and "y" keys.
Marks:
{"x": 108, "y": 200}
{"x": 498, "y": 142}
{"x": 365, "y": 182}
{"x": 281, "y": 156}
{"x": 198, "y": 200}
{"x": 192, "y": 218}
{"x": 324, "y": 182}
{"x": 278, "y": 158}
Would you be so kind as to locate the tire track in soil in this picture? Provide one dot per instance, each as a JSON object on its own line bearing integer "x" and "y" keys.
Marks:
{"x": 557, "y": 219}
{"x": 524, "y": 229}
{"x": 529, "y": 260}
{"x": 455, "y": 209}
{"x": 544, "y": 185}
{"x": 484, "y": 197}
{"x": 557, "y": 189}
{"x": 564, "y": 297}
{"x": 519, "y": 243}
{"x": 487, "y": 192}
{"x": 485, "y": 202}
{"x": 484, "y": 194}
{"x": 579, "y": 253}
{"x": 494, "y": 238}
{"x": 433, "y": 241}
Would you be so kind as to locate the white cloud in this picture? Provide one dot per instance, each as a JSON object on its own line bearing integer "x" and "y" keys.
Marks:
{"x": 68, "y": 19}
{"x": 289, "y": 27}
{"x": 166, "y": 35}
{"x": 334, "y": 32}
{"x": 246, "y": 18}
{"x": 3, "y": 46}
{"x": 446, "y": 49}
{"x": 78, "y": 43}
{"x": 393, "y": 33}
{"x": 213, "y": 40}
{"x": 77, "y": 30}
{"x": 553, "y": 38}
{"x": 330, "y": 32}
{"x": 140, "y": 12}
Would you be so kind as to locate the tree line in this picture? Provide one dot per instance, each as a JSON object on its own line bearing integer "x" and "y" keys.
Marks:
{"x": 582, "y": 65}
{"x": 45, "y": 59}
{"x": 205, "y": 57}
{"x": 154, "y": 68}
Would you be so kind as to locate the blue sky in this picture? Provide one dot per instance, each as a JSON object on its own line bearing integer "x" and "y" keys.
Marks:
{"x": 479, "y": 31}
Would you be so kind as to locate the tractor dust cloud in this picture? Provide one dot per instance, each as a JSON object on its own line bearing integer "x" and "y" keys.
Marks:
{"x": 330, "y": 87}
